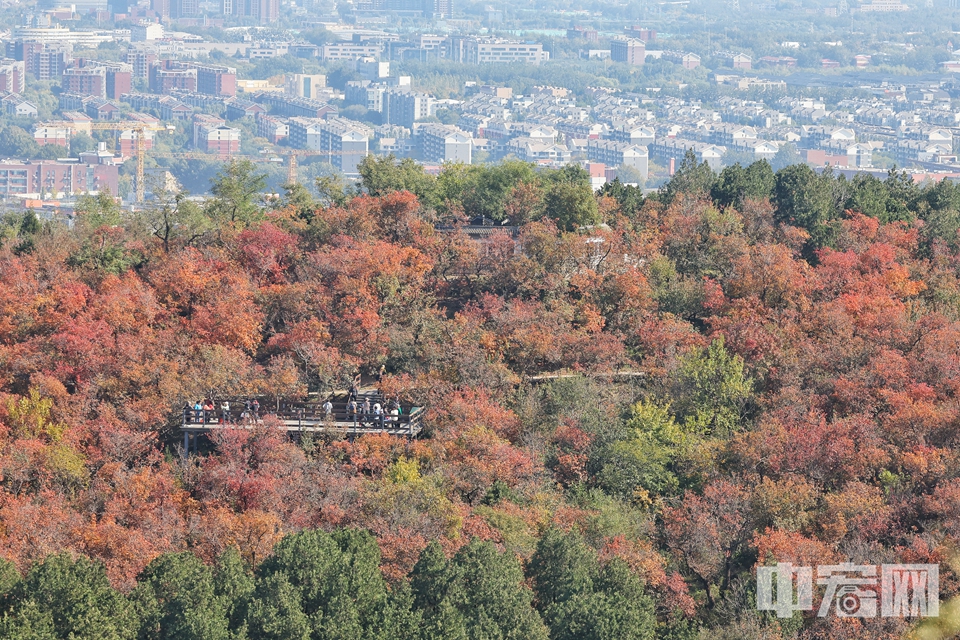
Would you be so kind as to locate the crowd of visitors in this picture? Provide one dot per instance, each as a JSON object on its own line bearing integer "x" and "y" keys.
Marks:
{"x": 360, "y": 409}
{"x": 367, "y": 411}
{"x": 205, "y": 412}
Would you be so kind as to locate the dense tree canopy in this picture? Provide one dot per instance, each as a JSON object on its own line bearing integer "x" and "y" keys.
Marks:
{"x": 631, "y": 403}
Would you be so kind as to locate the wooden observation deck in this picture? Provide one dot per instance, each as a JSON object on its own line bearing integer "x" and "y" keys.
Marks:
{"x": 299, "y": 418}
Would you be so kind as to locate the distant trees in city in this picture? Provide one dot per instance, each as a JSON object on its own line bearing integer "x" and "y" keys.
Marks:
{"x": 493, "y": 192}
{"x": 16, "y": 142}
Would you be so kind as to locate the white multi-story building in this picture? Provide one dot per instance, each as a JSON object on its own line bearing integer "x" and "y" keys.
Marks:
{"x": 345, "y": 143}
{"x": 303, "y": 85}
{"x": 445, "y": 143}
{"x": 672, "y": 151}
{"x": 619, "y": 154}
{"x": 347, "y": 51}
{"x": 146, "y": 31}
{"x": 539, "y": 151}
{"x": 812, "y": 136}
{"x": 366, "y": 94}
{"x": 906, "y": 152}
{"x": 477, "y": 50}
{"x": 635, "y": 134}
{"x": 404, "y": 107}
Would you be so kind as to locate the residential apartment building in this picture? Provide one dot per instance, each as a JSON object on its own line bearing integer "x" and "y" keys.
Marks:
{"x": 160, "y": 9}
{"x": 857, "y": 154}
{"x": 684, "y": 59}
{"x": 71, "y": 102}
{"x": 349, "y": 51}
{"x": 53, "y": 134}
{"x": 366, "y": 94}
{"x": 671, "y": 151}
{"x": 482, "y": 50}
{"x": 204, "y": 120}
{"x": 445, "y": 143}
{"x": 907, "y": 152}
{"x": 762, "y": 149}
{"x": 217, "y": 138}
{"x": 434, "y": 44}
{"x": 580, "y": 130}
{"x": 929, "y": 134}
{"x": 87, "y": 81}
{"x": 640, "y": 33}
{"x": 172, "y": 109}
{"x": 405, "y": 107}
{"x": 147, "y": 31}
{"x": 45, "y": 61}
{"x": 734, "y": 60}
{"x": 237, "y": 109}
{"x": 140, "y": 59}
{"x": 732, "y": 135}
{"x": 302, "y": 85}
{"x": 619, "y": 154}
{"x": 97, "y": 79}
{"x": 345, "y": 143}
{"x": 272, "y": 128}
{"x": 214, "y": 80}
{"x": 167, "y": 76}
{"x": 101, "y": 108}
{"x": 16, "y": 105}
{"x": 184, "y": 8}
{"x": 441, "y": 8}
{"x": 46, "y": 176}
{"x": 539, "y": 132}
{"x": 42, "y": 60}
{"x": 78, "y": 120}
{"x": 119, "y": 79}
{"x": 128, "y": 142}
{"x": 12, "y": 75}
{"x": 293, "y": 107}
{"x": 263, "y": 11}
{"x": 580, "y": 33}
{"x": 634, "y": 134}
{"x": 373, "y": 69}
{"x": 628, "y": 50}
{"x": 811, "y": 136}
{"x": 538, "y": 151}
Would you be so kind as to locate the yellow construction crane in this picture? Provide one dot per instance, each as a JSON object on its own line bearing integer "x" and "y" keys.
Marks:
{"x": 199, "y": 155}
{"x": 292, "y": 155}
{"x": 139, "y": 128}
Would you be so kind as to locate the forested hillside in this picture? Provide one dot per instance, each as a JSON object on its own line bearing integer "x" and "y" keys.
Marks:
{"x": 630, "y": 403}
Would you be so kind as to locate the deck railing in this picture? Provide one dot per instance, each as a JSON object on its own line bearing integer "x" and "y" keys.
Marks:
{"x": 310, "y": 415}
